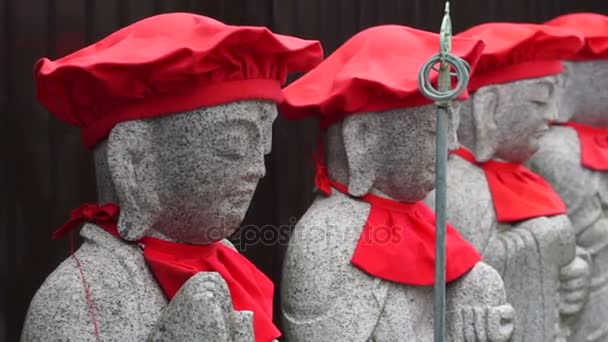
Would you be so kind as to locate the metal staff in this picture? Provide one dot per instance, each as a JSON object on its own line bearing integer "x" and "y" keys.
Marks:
{"x": 442, "y": 97}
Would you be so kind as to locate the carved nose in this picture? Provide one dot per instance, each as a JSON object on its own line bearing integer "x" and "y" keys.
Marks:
{"x": 551, "y": 113}
{"x": 257, "y": 171}
{"x": 267, "y": 137}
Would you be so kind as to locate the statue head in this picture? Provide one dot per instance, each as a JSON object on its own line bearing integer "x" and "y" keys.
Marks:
{"x": 189, "y": 177}
{"x": 514, "y": 88}
{"x": 583, "y": 94}
{"x": 179, "y": 109}
{"x": 390, "y": 152}
{"x": 506, "y": 121}
{"x": 380, "y": 128}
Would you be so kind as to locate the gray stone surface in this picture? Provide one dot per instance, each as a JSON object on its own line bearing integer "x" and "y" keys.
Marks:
{"x": 187, "y": 177}
{"x": 546, "y": 279}
{"x": 582, "y": 94}
{"x": 584, "y": 99}
{"x": 325, "y": 298}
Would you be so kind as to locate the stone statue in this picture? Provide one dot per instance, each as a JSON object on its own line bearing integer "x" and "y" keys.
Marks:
{"x": 510, "y": 214}
{"x": 379, "y": 160}
{"x": 164, "y": 174}
{"x": 173, "y": 184}
{"x": 582, "y": 103}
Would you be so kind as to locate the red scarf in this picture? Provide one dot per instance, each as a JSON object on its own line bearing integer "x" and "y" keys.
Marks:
{"x": 174, "y": 263}
{"x": 517, "y": 192}
{"x": 398, "y": 240}
{"x": 594, "y": 145}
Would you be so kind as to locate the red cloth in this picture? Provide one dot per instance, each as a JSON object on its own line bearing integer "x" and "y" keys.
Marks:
{"x": 593, "y": 27}
{"x": 517, "y": 51}
{"x": 594, "y": 145}
{"x": 398, "y": 240}
{"x": 375, "y": 70}
{"x": 165, "y": 64}
{"x": 517, "y": 192}
{"x": 174, "y": 263}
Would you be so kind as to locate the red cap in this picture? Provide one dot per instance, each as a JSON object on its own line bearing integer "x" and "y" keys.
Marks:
{"x": 166, "y": 64}
{"x": 375, "y": 70}
{"x": 517, "y": 51}
{"x": 593, "y": 27}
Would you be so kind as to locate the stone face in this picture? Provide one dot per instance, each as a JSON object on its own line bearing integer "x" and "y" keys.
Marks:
{"x": 325, "y": 298}
{"x": 195, "y": 173}
{"x": 537, "y": 258}
{"x": 584, "y": 99}
{"x": 582, "y": 93}
{"x": 187, "y": 177}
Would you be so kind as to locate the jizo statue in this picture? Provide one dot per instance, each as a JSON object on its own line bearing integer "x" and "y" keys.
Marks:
{"x": 509, "y": 213}
{"x": 573, "y": 157}
{"x": 360, "y": 263}
{"x": 178, "y": 109}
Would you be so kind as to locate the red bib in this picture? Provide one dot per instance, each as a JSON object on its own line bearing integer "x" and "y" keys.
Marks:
{"x": 594, "y": 145}
{"x": 398, "y": 240}
{"x": 517, "y": 192}
{"x": 174, "y": 263}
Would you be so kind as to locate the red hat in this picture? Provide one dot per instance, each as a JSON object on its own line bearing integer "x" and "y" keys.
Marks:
{"x": 375, "y": 70}
{"x": 517, "y": 51}
{"x": 593, "y": 27}
{"x": 166, "y": 64}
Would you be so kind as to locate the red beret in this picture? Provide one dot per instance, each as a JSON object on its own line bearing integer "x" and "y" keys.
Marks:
{"x": 594, "y": 29}
{"x": 375, "y": 70}
{"x": 517, "y": 51}
{"x": 166, "y": 64}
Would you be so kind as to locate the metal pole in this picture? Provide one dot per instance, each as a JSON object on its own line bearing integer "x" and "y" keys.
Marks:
{"x": 442, "y": 98}
{"x": 440, "y": 208}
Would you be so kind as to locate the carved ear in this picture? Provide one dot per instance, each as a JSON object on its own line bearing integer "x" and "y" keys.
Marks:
{"x": 129, "y": 161}
{"x": 360, "y": 144}
{"x": 485, "y": 103}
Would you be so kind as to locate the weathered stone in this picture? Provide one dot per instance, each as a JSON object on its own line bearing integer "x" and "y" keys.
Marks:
{"x": 186, "y": 177}
{"x": 536, "y": 257}
{"x": 583, "y": 99}
{"x": 326, "y": 298}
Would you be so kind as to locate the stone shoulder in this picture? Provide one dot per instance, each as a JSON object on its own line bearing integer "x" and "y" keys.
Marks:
{"x": 470, "y": 207}
{"x": 124, "y": 298}
{"x": 559, "y": 162}
{"x": 321, "y": 290}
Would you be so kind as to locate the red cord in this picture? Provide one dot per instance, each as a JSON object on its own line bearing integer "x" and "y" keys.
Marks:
{"x": 90, "y": 305}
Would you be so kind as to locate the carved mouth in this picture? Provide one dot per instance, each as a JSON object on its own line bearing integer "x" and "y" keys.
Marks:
{"x": 241, "y": 196}
{"x": 541, "y": 132}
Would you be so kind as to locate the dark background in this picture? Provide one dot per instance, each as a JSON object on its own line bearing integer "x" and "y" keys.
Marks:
{"x": 45, "y": 171}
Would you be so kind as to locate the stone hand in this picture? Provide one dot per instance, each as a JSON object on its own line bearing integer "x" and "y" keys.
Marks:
{"x": 202, "y": 311}
{"x": 575, "y": 280}
{"x": 483, "y": 324}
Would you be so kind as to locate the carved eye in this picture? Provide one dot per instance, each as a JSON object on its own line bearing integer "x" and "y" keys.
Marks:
{"x": 232, "y": 144}
{"x": 541, "y": 94}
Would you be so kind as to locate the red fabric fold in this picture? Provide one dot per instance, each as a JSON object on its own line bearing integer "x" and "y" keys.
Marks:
{"x": 174, "y": 263}
{"x": 104, "y": 215}
{"x": 517, "y": 192}
{"x": 592, "y": 26}
{"x": 398, "y": 240}
{"x": 165, "y": 64}
{"x": 594, "y": 145}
